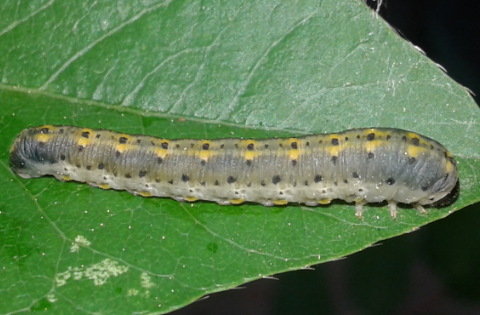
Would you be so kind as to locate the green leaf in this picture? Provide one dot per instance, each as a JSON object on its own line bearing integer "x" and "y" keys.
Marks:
{"x": 200, "y": 69}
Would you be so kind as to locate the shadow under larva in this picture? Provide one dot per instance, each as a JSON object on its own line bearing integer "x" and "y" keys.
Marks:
{"x": 367, "y": 165}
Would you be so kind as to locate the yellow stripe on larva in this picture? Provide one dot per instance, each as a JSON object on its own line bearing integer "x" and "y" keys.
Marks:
{"x": 293, "y": 154}
{"x": 66, "y": 177}
{"x": 324, "y": 201}
{"x": 236, "y": 201}
{"x": 104, "y": 186}
{"x": 205, "y": 154}
{"x": 122, "y": 147}
{"x": 414, "y": 151}
{"x": 145, "y": 193}
{"x": 280, "y": 202}
{"x": 333, "y": 150}
{"x": 161, "y": 152}
{"x": 370, "y": 146}
{"x": 449, "y": 166}
{"x": 41, "y": 137}
{"x": 250, "y": 155}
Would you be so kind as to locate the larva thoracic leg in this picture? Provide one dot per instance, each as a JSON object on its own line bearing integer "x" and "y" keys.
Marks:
{"x": 359, "y": 165}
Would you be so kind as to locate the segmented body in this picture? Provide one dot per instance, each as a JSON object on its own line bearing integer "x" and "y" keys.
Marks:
{"x": 360, "y": 165}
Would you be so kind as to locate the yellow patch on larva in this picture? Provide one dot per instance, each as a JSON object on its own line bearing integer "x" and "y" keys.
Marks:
{"x": 122, "y": 147}
{"x": 279, "y": 202}
{"x": 449, "y": 166}
{"x": 370, "y": 146}
{"x": 104, "y": 186}
{"x": 41, "y": 137}
{"x": 324, "y": 201}
{"x": 66, "y": 177}
{"x": 250, "y": 155}
{"x": 190, "y": 199}
{"x": 449, "y": 154}
{"x": 83, "y": 141}
{"x": 293, "y": 154}
{"x": 161, "y": 152}
{"x": 205, "y": 154}
{"x": 414, "y": 151}
{"x": 144, "y": 193}
{"x": 236, "y": 201}
{"x": 334, "y": 150}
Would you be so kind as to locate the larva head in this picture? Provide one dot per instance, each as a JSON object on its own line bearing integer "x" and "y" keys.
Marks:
{"x": 446, "y": 190}
{"x": 28, "y": 152}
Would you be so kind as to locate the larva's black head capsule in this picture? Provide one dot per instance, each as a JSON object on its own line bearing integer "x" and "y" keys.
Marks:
{"x": 29, "y": 152}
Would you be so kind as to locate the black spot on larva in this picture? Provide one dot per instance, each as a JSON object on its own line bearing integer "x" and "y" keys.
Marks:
{"x": 205, "y": 146}
{"x": 191, "y": 191}
{"x": 294, "y": 162}
{"x": 424, "y": 187}
{"x": 358, "y": 136}
{"x": 62, "y": 130}
{"x": 335, "y": 141}
{"x": 404, "y": 138}
{"x": 355, "y": 175}
{"x": 236, "y": 145}
{"x": 266, "y": 146}
{"x": 307, "y": 144}
{"x": 345, "y": 181}
{"x": 65, "y": 169}
{"x": 101, "y": 166}
{"x": 262, "y": 183}
{"x": 44, "y": 131}
{"x": 412, "y": 160}
{"x": 142, "y": 174}
{"x": 248, "y": 162}
{"x": 324, "y": 191}
{"x": 86, "y": 134}
{"x": 42, "y": 145}
{"x": 80, "y": 148}
{"x": 159, "y": 160}
{"x": 117, "y": 154}
{"x": 104, "y": 177}
{"x": 157, "y": 180}
{"x": 306, "y": 183}
{"x": 170, "y": 182}
{"x": 139, "y": 141}
{"x": 250, "y": 146}
{"x": 122, "y": 140}
{"x": 360, "y": 189}
{"x": 128, "y": 176}
{"x": 63, "y": 157}
{"x": 389, "y": 137}
{"x": 217, "y": 183}
{"x": 318, "y": 178}
{"x": 98, "y": 136}
{"x": 334, "y": 159}
{"x": 192, "y": 145}
{"x": 231, "y": 179}
{"x": 89, "y": 167}
{"x": 177, "y": 146}
{"x": 249, "y": 184}
{"x": 370, "y": 136}
{"x": 390, "y": 181}
{"x": 370, "y": 155}
{"x": 185, "y": 178}
{"x": 416, "y": 142}
{"x": 203, "y": 162}
{"x": 294, "y": 184}
{"x": 320, "y": 141}
{"x": 222, "y": 146}
{"x": 203, "y": 183}
{"x": 236, "y": 192}
{"x": 276, "y": 179}
{"x": 115, "y": 174}
{"x": 346, "y": 138}
{"x": 294, "y": 145}
{"x": 53, "y": 161}
{"x": 280, "y": 145}
{"x": 335, "y": 183}
{"x": 164, "y": 145}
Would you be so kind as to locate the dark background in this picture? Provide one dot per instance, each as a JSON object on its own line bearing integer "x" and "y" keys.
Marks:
{"x": 435, "y": 270}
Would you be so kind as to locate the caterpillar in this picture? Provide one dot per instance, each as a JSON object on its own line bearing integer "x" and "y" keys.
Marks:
{"x": 367, "y": 165}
